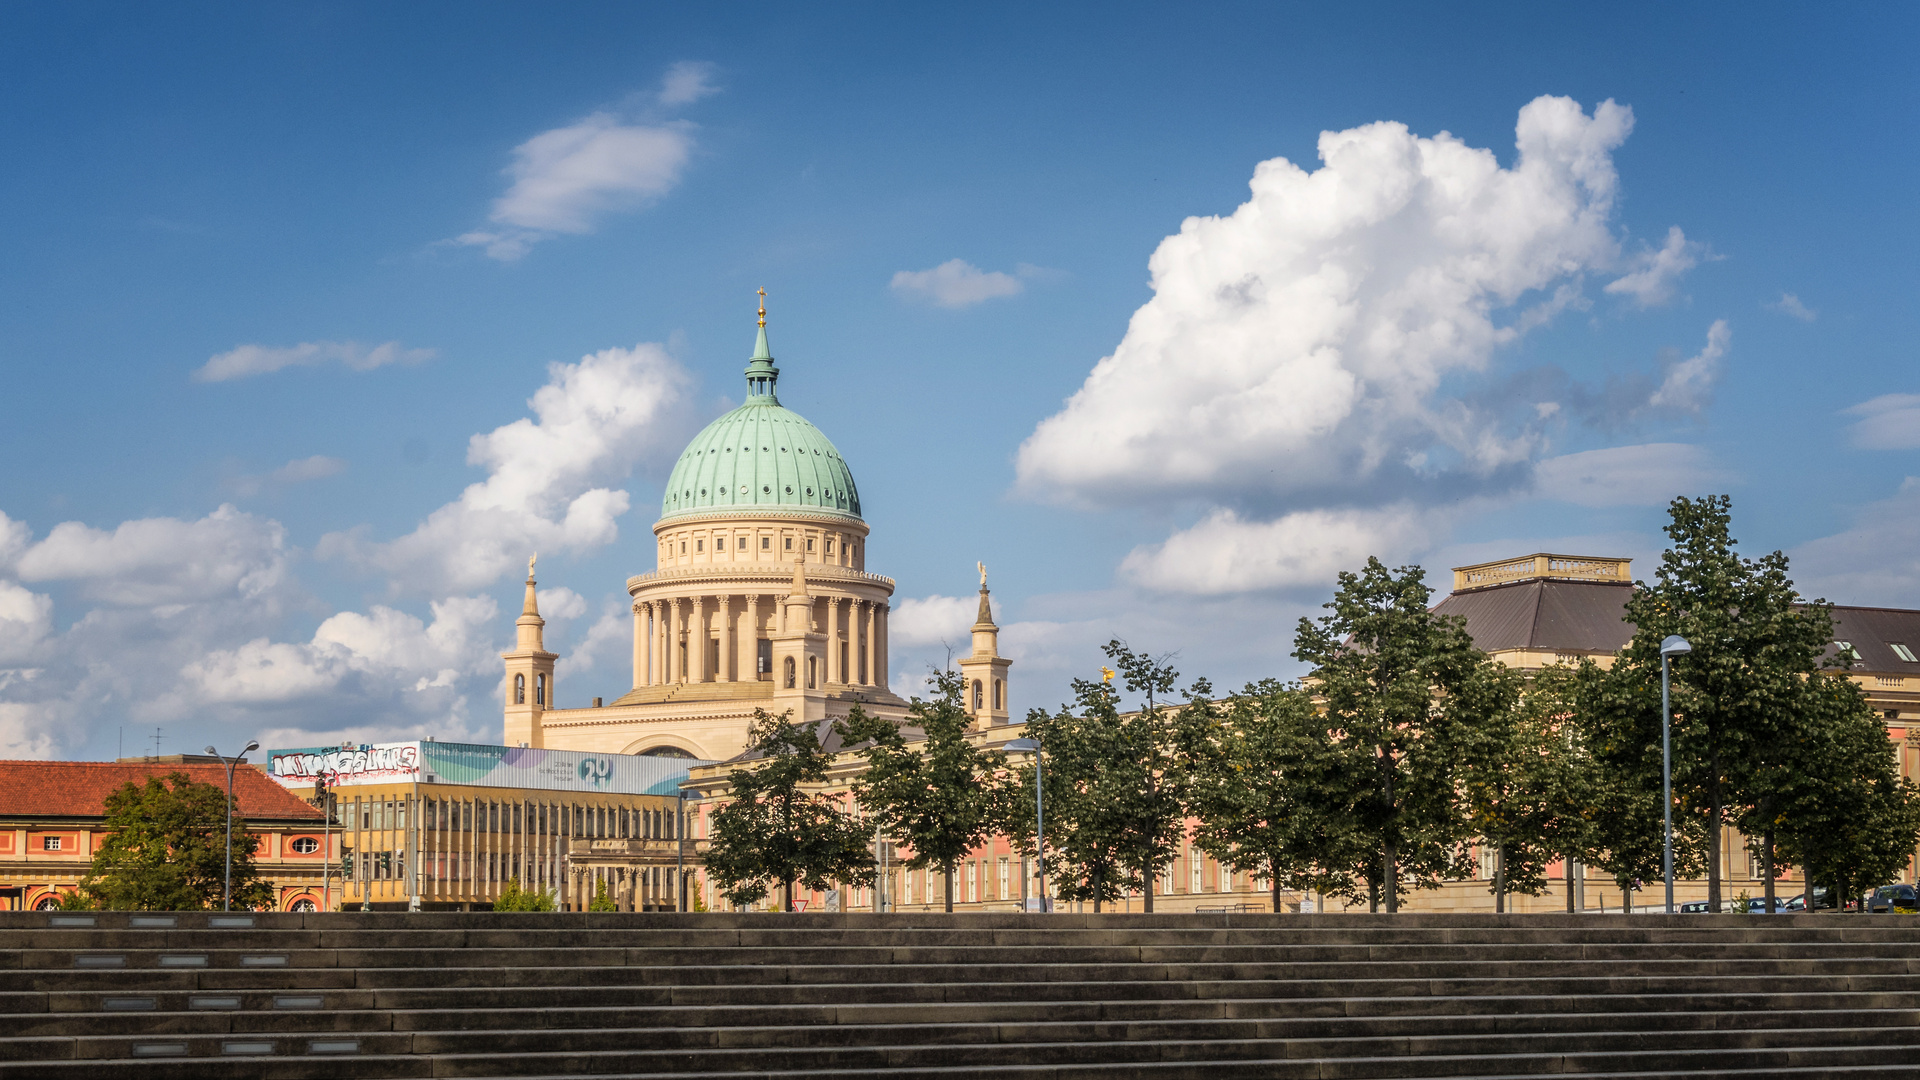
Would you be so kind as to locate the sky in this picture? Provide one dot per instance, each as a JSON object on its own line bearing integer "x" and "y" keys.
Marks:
{"x": 319, "y": 318}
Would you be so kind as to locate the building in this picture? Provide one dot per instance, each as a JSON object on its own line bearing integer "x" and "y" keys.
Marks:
{"x": 53, "y": 814}
{"x": 760, "y": 599}
{"x": 445, "y": 826}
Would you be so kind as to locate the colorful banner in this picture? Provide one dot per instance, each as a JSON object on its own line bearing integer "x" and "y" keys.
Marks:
{"x": 477, "y": 765}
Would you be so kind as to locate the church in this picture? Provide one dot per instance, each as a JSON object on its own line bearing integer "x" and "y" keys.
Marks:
{"x": 760, "y": 599}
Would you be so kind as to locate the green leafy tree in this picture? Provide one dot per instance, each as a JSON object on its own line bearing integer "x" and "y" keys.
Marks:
{"x": 1618, "y": 712}
{"x": 514, "y": 898}
{"x": 1395, "y": 679}
{"x": 777, "y": 827}
{"x": 1272, "y": 789}
{"x": 941, "y": 795}
{"x": 601, "y": 901}
{"x": 166, "y": 850}
{"x": 1848, "y": 816}
{"x": 1736, "y": 695}
{"x": 1113, "y": 783}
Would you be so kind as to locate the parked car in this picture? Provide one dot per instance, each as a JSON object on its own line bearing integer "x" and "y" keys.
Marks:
{"x": 1757, "y": 905}
{"x": 1894, "y": 898}
{"x": 1697, "y": 907}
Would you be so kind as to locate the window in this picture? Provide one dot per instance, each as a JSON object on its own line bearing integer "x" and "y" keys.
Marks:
{"x": 1847, "y": 651}
{"x": 765, "y": 657}
{"x": 813, "y": 673}
{"x": 539, "y": 689}
{"x": 976, "y": 694}
{"x": 790, "y": 673}
{"x": 996, "y": 695}
{"x": 306, "y": 845}
{"x": 519, "y": 689}
{"x": 699, "y": 545}
{"x": 683, "y": 547}
{"x": 742, "y": 545}
{"x": 829, "y": 547}
{"x": 809, "y": 543}
{"x": 50, "y": 843}
{"x": 789, "y": 543}
{"x": 766, "y": 542}
{"x": 1903, "y": 652}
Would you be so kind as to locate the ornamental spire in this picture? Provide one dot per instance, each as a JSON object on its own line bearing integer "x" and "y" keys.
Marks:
{"x": 761, "y": 374}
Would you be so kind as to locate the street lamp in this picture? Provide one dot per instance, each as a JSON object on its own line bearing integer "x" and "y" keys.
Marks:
{"x": 1039, "y": 813}
{"x": 1675, "y": 645}
{"x": 226, "y": 899}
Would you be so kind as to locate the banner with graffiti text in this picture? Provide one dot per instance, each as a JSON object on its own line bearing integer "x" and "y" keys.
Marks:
{"x": 479, "y": 766}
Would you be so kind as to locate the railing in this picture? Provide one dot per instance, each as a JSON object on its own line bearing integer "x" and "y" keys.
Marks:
{"x": 1541, "y": 566}
{"x": 765, "y": 571}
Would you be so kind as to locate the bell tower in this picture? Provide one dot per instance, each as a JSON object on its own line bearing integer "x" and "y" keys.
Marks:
{"x": 985, "y": 671}
{"x": 529, "y": 682}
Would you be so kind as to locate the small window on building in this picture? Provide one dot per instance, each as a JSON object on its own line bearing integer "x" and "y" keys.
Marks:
{"x": 809, "y": 543}
{"x": 683, "y": 547}
{"x": 996, "y": 695}
{"x": 519, "y": 689}
{"x": 1903, "y": 652}
{"x": 700, "y": 545}
{"x": 742, "y": 545}
{"x": 539, "y": 689}
{"x": 1847, "y": 651}
{"x": 306, "y": 845}
{"x": 813, "y": 673}
{"x": 50, "y": 843}
{"x": 790, "y": 685}
{"x": 765, "y": 657}
{"x": 789, "y": 543}
{"x": 829, "y": 547}
{"x": 978, "y": 697}
{"x": 766, "y": 542}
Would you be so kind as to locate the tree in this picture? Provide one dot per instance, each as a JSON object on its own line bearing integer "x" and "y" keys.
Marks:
{"x": 942, "y": 796}
{"x": 774, "y": 830}
{"x": 166, "y": 850}
{"x": 1272, "y": 789}
{"x": 1113, "y": 783}
{"x": 514, "y": 898}
{"x": 1847, "y": 816}
{"x": 1737, "y": 693}
{"x": 601, "y": 901}
{"x": 1391, "y": 675}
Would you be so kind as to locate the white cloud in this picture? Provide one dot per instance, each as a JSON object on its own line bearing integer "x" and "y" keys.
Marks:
{"x": 955, "y": 283}
{"x": 24, "y": 733}
{"x": 1224, "y": 554}
{"x": 1875, "y": 562}
{"x": 297, "y": 471}
{"x": 155, "y": 561}
{"x": 1298, "y": 344}
{"x": 932, "y": 620}
{"x": 245, "y": 360}
{"x": 1790, "y": 305}
{"x": 545, "y": 489}
{"x": 1688, "y": 386}
{"x": 687, "y": 82}
{"x": 1888, "y": 422}
{"x": 15, "y": 536}
{"x": 26, "y": 617}
{"x": 1649, "y": 474}
{"x": 1652, "y": 283}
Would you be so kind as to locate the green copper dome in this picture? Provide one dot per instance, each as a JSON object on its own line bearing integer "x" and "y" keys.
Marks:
{"x": 761, "y": 455}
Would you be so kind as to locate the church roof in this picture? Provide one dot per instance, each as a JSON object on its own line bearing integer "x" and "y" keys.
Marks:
{"x": 761, "y": 455}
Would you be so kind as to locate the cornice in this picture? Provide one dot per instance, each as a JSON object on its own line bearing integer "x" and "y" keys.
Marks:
{"x": 773, "y": 573}
{"x": 694, "y": 517}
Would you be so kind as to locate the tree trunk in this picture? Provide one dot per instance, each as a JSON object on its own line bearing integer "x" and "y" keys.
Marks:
{"x": 1373, "y": 893}
{"x": 1276, "y": 894}
{"x": 1806, "y": 883}
{"x": 948, "y": 875}
{"x": 1148, "y": 908}
{"x": 1500, "y": 880}
{"x": 1096, "y": 892}
{"x": 1766, "y": 852}
{"x": 786, "y": 894}
{"x": 1391, "y": 872}
{"x": 1626, "y": 897}
{"x": 1713, "y": 834}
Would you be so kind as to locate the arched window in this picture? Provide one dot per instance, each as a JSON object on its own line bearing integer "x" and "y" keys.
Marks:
{"x": 977, "y": 702}
{"x": 996, "y": 696}
{"x": 539, "y": 689}
{"x": 519, "y": 689}
{"x": 789, "y": 672}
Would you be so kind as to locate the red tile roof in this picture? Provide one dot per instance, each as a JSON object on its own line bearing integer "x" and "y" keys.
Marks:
{"x": 80, "y": 788}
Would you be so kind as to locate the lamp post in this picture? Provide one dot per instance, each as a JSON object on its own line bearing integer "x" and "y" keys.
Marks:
{"x": 680, "y": 850}
{"x": 1673, "y": 646}
{"x": 226, "y": 899}
{"x": 1039, "y": 813}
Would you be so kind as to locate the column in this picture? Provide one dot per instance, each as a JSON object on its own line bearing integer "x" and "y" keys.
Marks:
{"x": 675, "y": 671}
{"x": 639, "y": 646}
{"x": 866, "y": 640}
{"x": 697, "y": 641}
{"x": 834, "y": 674}
{"x": 656, "y": 672}
{"x": 880, "y": 649}
{"x": 750, "y": 635}
{"x": 725, "y": 674}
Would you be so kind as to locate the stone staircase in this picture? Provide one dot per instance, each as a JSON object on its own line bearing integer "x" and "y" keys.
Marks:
{"x": 1214, "y": 997}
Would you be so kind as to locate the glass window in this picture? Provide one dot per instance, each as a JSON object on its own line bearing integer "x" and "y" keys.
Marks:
{"x": 789, "y": 543}
{"x": 520, "y": 691}
{"x": 700, "y": 545}
{"x": 1903, "y": 652}
{"x": 766, "y": 542}
{"x": 1847, "y": 650}
{"x": 306, "y": 845}
{"x": 50, "y": 843}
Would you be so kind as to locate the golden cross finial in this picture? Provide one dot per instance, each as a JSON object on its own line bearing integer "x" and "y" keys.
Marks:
{"x": 763, "y": 306}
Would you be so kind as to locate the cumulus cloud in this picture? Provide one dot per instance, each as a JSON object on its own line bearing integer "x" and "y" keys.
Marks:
{"x": 24, "y": 736}
{"x": 565, "y": 180}
{"x": 1658, "y": 271}
{"x": 1299, "y": 343}
{"x": 546, "y": 486}
{"x": 15, "y": 537}
{"x": 246, "y": 360}
{"x": 297, "y": 471}
{"x": 156, "y": 561}
{"x": 1224, "y": 554}
{"x": 1649, "y": 474}
{"x": 26, "y": 617}
{"x": 955, "y": 283}
{"x": 1888, "y": 422}
{"x": 1688, "y": 385}
{"x": 931, "y": 620}
{"x": 687, "y": 82}
{"x": 1790, "y": 305}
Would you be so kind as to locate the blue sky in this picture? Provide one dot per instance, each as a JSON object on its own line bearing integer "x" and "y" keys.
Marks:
{"x": 285, "y": 288}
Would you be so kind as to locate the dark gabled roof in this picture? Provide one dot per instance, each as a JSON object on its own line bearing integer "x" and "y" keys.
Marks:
{"x": 80, "y": 788}
{"x": 1569, "y": 616}
{"x": 1872, "y": 631}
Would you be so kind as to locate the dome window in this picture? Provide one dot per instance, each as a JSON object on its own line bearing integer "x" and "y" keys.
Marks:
{"x": 789, "y": 489}
{"x": 703, "y": 493}
{"x": 809, "y": 492}
{"x": 783, "y": 449}
{"x": 764, "y": 490}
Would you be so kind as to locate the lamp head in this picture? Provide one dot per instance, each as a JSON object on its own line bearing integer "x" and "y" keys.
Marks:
{"x": 212, "y": 751}
{"x": 1022, "y": 745}
{"x": 251, "y": 746}
{"x": 1675, "y": 645}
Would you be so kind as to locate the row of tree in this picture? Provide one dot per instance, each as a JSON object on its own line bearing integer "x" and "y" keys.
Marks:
{"x": 1404, "y": 748}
